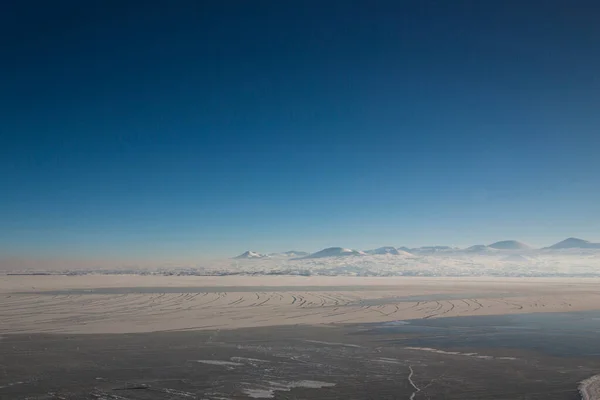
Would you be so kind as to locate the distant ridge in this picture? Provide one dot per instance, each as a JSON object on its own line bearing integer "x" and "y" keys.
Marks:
{"x": 574, "y": 243}
{"x": 509, "y": 245}
{"x": 430, "y": 249}
{"x": 250, "y": 254}
{"x": 294, "y": 253}
{"x": 388, "y": 250}
{"x": 569, "y": 243}
{"x": 479, "y": 248}
{"x": 335, "y": 252}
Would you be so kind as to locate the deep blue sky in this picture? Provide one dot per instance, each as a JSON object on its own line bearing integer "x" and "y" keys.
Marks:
{"x": 193, "y": 129}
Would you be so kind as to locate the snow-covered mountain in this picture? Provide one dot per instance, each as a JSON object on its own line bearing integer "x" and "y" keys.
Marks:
{"x": 431, "y": 249}
{"x": 294, "y": 253}
{"x": 509, "y": 245}
{"x": 480, "y": 248}
{"x": 487, "y": 261}
{"x": 574, "y": 243}
{"x": 388, "y": 250}
{"x": 335, "y": 252}
{"x": 571, "y": 257}
{"x": 249, "y": 255}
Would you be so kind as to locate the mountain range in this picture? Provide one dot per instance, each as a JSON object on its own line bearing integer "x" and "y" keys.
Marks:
{"x": 335, "y": 252}
{"x": 388, "y": 250}
{"x": 503, "y": 245}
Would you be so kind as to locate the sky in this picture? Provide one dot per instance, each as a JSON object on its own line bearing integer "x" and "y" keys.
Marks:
{"x": 183, "y": 130}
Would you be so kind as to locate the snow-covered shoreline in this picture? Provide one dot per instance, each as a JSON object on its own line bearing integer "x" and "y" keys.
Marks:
{"x": 590, "y": 388}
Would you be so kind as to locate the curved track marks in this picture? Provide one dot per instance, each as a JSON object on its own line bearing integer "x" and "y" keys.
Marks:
{"x": 139, "y": 312}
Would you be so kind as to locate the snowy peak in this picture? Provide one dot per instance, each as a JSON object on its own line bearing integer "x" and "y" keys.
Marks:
{"x": 250, "y": 254}
{"x": 575, "y": 243}
{"x": 335, "y": 252}
{"x": 388, "y": 250}
{"x": 509, "y": 245}
{"x": 480, "y": 248}
{"x": 294, "y": 253}
{"x": 431, "y": 249}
